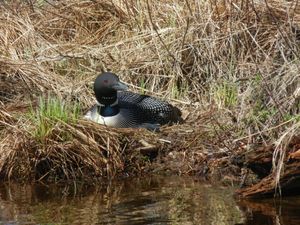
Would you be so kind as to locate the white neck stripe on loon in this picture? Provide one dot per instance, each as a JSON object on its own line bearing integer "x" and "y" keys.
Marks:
{"x": 113, "y": 104}
{"x": 110, "y": 97}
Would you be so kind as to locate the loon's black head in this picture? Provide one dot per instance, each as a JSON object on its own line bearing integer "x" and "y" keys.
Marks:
{"x": 106, "y": 86}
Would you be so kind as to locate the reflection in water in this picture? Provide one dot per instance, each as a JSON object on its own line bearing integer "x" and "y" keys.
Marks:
{"x": 284, "y": 211}
{"x": 149, "y": 200}
{"x": 155, "y": 200}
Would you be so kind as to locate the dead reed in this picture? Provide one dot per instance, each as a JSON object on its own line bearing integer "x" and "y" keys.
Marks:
{"x": 231, "y": 66}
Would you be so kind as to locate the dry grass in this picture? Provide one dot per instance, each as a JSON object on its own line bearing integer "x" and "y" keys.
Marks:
{"x": 233, "y": 66}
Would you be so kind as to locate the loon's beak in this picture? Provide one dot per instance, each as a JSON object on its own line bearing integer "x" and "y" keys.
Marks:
{"x": 119, "y": 86}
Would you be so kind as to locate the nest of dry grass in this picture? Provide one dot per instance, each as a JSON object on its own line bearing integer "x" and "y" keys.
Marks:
{"x": 231, "y": 66}
{"x": 74, "y": 151}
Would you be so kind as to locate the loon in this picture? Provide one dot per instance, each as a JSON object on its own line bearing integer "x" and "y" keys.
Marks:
{"x": 117, "y": 107}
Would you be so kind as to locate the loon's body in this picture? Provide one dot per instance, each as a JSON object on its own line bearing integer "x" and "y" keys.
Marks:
{"x": 117, "y": 108}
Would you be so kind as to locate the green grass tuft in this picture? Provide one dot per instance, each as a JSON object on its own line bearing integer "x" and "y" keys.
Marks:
{"x": 226, "y": 94}
{"x": 51, "y": 111}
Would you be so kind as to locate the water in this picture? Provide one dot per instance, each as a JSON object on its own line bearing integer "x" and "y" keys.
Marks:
{"x": 151, "y": 200}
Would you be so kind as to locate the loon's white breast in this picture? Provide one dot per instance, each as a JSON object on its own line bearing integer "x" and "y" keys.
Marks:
{"x": 119, "y": 120}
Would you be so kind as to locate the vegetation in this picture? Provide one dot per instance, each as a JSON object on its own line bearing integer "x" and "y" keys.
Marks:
{"x": 48, "y": 113}
{"x": 231, "y": 66}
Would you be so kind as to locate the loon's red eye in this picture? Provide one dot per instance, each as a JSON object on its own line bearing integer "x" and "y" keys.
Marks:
{"x": 105, "y": 81}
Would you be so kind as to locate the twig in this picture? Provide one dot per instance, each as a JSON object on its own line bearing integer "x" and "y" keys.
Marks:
{"x": 158, "y": 35}
{"x": 262, "y": 131}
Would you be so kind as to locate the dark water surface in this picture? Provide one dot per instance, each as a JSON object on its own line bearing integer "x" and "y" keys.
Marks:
{"x": 151, "y": 200}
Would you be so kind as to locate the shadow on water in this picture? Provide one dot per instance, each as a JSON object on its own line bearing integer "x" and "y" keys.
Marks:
{"x": 150, "y": 200}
